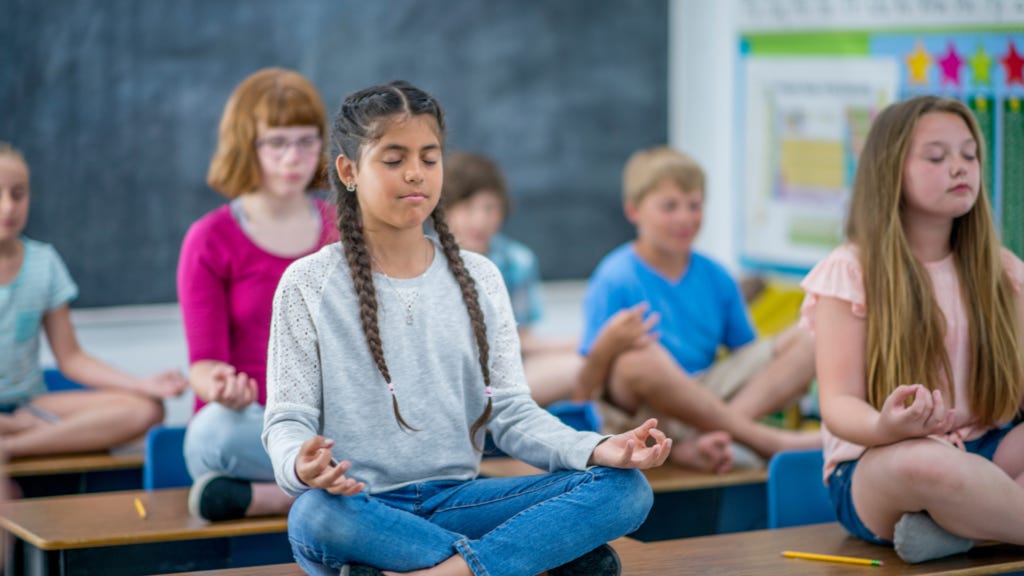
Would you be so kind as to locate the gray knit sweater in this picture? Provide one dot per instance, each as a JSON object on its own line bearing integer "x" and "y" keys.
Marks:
{"x": 321, "y": 378}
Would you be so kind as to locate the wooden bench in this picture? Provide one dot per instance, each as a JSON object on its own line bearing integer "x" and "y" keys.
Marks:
{"x": 757, "y": 553}
{"x": 687, "y": 503}
{"x": 77, "y": 473}
{"x": 76, "y": 534}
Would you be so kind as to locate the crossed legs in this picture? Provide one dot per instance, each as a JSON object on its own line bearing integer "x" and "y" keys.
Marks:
{"x": 87, "y": 421}
{"x": 649, "y": 376}
{"x": 964, "y": 493}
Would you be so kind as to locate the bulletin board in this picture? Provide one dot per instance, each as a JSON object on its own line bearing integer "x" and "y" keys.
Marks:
{"x": 807, "y": 99}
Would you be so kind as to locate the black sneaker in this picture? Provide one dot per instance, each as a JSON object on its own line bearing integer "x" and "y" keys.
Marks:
{"x": 362, "y": 570}
{"x": 601, "y": 561}
{"x": 217, "y": 497}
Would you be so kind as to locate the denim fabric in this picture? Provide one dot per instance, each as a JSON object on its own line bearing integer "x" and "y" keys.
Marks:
{"x": 841, "y": 482}
{"x": 220, "y": 439}
{"x": 500, "y": 526}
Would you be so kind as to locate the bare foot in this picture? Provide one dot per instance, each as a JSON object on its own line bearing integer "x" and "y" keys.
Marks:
{"x": 709, "y": 452}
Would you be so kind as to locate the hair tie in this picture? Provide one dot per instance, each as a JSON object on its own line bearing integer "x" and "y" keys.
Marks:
{"x": 391, "y": 388}
{"x": 487, "y": 391}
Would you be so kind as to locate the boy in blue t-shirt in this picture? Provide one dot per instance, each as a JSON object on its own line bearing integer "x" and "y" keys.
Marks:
{"x": 673, "y": 373}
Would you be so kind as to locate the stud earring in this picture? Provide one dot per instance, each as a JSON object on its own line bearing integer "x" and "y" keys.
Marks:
{"x": 351, "y": 186}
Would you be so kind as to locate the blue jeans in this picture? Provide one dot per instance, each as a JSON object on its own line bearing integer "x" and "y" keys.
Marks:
{"x": 500, "y": 526}
{"x": 227, "y": 441}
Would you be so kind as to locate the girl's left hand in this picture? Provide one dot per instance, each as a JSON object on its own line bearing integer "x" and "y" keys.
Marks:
{"x": 164, "y": 385}
{"x": 630, "y": 449}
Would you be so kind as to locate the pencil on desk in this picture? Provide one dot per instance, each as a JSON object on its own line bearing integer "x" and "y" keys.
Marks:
{"x": 831, "y": 558}
{"x": 140, "y": 508}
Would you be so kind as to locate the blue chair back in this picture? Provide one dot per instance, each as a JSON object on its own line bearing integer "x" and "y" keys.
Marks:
{"x": 796, "y": 494}
{"x": 57, "y": 382}
{"x": 165, "y": 460}
{"x": 582, "y": 416}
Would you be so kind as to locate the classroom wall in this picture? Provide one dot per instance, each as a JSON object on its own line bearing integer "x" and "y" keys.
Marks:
{"x": 115, "y": 104}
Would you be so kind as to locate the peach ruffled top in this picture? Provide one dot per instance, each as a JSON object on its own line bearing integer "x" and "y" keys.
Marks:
{"x": 839, "y": 276}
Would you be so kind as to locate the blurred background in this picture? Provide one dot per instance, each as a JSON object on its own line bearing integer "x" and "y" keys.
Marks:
{"x": 115, "y": 104}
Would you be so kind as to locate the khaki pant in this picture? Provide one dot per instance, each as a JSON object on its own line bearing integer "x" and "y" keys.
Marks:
{"x": 723, "y": 379}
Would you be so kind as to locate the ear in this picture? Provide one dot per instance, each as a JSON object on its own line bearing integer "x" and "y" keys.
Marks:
{"x": 346, "y": 168}
{"x": 630, "y": 210}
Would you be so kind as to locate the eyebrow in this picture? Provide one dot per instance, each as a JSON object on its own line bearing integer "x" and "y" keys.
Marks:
{"x": 943, "y": 144}
{"x": 400, "y": 148}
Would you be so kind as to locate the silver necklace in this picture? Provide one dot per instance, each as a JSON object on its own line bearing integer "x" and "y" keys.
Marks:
{"x": 408, "y": 299}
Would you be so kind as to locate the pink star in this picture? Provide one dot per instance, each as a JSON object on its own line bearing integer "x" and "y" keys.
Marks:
{"x": 950, "y": 64}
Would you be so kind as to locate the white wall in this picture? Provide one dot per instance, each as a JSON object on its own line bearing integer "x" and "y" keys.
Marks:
{"x": 702, "y": 56}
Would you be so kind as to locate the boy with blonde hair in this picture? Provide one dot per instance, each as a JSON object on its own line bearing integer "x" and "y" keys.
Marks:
{"x": 679, "y": 308}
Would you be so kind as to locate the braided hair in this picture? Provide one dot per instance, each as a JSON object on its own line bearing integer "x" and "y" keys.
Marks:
{"x": 363, "y": 118}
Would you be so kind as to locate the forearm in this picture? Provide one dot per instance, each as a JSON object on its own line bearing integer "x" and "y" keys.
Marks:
{"x": 90, "y": 371}
{"x": 854, "y": 420}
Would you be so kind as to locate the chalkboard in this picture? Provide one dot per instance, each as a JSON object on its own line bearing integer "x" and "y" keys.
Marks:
{"x": 116, "y": 102}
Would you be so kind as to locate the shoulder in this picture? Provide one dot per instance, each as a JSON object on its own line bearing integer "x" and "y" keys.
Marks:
{"x": 37, "y": 251}
{"x": 516, "y": 251}
{"x": 1014, "y": 268}
{"x": 617, "y": 262}
{"x": 484, "y": 272}
{"x": 316, "y": 266}
{"x": 210, "y": 225}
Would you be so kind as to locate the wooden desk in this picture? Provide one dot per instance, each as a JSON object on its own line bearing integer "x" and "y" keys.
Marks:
{"x": 757, "y": 554}
{"x": 687, "y": 503}
{"x": 101, "y": 526}
{"x": 72, "y": 463}
{"x": 77, "y": 473}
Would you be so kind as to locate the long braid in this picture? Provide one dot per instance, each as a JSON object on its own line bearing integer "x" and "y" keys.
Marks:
{"x": 476, "y": 315}
{"x": 362, "y": 281}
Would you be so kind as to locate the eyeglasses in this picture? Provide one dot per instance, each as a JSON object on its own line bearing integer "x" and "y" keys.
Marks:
{"x": 277, "y": 146}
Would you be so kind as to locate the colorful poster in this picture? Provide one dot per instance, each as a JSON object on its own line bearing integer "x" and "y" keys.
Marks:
{"x": 808, "y": 97}
{"x": 806, "y": 120}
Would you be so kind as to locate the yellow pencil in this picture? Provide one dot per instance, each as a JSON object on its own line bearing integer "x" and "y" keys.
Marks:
{"x": 831, "y": 558}
{"x": 140, "y": 508}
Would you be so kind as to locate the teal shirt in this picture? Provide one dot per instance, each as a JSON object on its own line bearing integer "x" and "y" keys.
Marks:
{"x": 521, "y": 273}
{"x": 42, "y": 284}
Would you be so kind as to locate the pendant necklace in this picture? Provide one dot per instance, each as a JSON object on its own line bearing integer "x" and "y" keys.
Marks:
{"x": 407, "y": 298}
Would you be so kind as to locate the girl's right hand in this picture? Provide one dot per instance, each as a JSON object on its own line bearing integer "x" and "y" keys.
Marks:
{"x": 912, "y": 411}
{"x": 314, "y": 467}
{"x": 235, "y": 390}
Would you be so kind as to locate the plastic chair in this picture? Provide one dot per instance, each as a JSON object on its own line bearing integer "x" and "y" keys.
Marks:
{"x": 582, "y": 416}
{"x": 165, "y": 461}
{"x": 57, "y": 382}
{"x": 796, "y": 494}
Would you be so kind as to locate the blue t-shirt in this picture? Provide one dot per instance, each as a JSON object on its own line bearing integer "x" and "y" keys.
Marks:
{"x": 701, "y": 312}
{"x": 42, "y": 284}
{"x": 521, "y": 274}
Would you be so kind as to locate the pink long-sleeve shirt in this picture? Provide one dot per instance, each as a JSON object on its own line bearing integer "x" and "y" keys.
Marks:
{"x": 226, "y": 287}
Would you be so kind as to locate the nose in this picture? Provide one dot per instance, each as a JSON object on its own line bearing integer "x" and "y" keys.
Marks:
{"x": 414, "y": 175}
{"x": 958, "y": 168}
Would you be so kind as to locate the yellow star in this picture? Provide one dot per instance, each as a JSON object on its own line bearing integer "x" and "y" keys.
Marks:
{"x": 981, "y": 103}
{"x": 1014, "y": 105}
{"x": 981, "y": 65}
{"x": 918, "y": 62}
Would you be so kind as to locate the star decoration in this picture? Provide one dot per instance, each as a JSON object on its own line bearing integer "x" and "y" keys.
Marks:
{"x": 981, "y": 103}
{"x": 1014, "y": 65}
{"x": 950, "y": 64}
{"x": 1014, "y": 104}
{"x": 918, "y": 62}
{"x": 981, "y": 65}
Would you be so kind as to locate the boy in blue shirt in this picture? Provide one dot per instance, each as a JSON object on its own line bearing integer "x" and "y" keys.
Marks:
{"x": 658, "y": 280}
